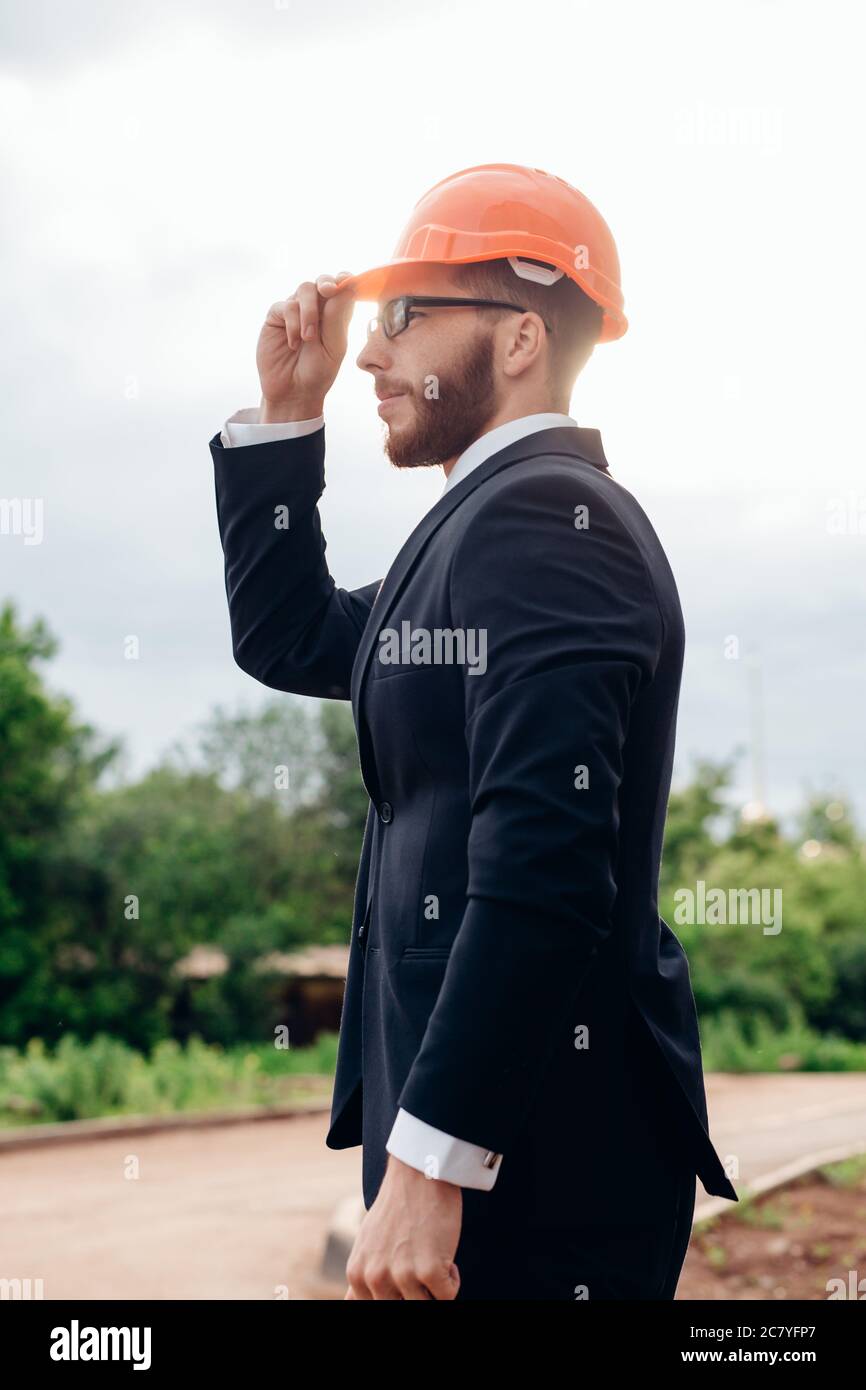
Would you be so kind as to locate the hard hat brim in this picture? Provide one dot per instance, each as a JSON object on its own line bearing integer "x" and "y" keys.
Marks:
{"x": 393, "y": 277}
{"x": 400, "y": 277}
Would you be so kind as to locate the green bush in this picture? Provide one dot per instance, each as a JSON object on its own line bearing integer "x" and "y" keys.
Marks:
{"x": 84, "y": 1080}
{"x": 728, "y": 1043}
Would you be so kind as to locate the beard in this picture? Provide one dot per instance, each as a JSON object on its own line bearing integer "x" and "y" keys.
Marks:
{"x": 442, "y": 428}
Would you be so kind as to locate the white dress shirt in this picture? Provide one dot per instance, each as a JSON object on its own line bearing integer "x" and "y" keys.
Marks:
{"x": 243, "y": 428}
{"x": 412, "y": 1140}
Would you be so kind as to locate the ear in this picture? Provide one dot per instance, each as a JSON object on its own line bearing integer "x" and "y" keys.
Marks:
{"x": 527, "y": 343}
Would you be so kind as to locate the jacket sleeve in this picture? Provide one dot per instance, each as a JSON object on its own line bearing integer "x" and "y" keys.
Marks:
{"x": 573, "y": 631}
{"x": 292, "y": 627}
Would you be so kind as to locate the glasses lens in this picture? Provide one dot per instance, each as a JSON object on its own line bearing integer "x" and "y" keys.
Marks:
{"x": 394, "y": 317}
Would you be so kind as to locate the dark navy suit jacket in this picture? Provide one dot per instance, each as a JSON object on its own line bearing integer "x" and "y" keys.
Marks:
{"x": 510, "y": 980}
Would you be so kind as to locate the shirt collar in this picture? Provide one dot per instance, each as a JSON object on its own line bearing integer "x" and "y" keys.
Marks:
{"x": 499, "y": 438}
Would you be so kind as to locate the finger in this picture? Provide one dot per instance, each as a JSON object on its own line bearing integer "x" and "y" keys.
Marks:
{"x": 413, "y": 1291}
{"x": 361, "y": 1293}
{"x": 328, "y": 285}
{"x": 443, "y": 1282}
{"x": 357, "y": 1287}
{"x": 291, "y": 318}
{"x": 336, "y": 317}
{"x": 407, "y": 1283}
{"x": 309, "y": 306}
{"x": 277, "y": 313}
{"x": 383, "y": 1287}
{"x": 283, "y": 313}
{"x": 333, "y": 283}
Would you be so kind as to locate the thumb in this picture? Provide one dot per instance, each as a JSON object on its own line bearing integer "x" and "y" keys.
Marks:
{"x": 447, "y": 1284}
{"x": 336, "y": 313}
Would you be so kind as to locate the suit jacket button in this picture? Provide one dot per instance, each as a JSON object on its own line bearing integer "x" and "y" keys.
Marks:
{"x": 386, "y": 812}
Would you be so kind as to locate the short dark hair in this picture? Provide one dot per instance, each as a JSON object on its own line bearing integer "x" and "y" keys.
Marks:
{"x": 574, "y": 318}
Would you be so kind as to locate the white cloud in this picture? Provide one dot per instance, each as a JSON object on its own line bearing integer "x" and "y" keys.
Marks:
{"x": 172, "y": 171}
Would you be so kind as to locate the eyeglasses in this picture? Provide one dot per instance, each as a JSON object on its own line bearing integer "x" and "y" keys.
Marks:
{"x": 395, "y": 315}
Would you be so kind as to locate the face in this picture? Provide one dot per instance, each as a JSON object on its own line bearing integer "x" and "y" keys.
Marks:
{"x": 438, "y": 375}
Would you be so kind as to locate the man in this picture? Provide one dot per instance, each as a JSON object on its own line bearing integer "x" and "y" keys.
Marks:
{"x": 519, "y": 1053}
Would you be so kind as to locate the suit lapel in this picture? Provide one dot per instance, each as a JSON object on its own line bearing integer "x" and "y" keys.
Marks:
{"x": 569, "y": 440}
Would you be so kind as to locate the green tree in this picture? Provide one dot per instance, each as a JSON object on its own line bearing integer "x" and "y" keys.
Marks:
{"x": 49, "y": 763}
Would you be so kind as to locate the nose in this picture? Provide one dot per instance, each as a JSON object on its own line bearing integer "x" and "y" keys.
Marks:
{"x": 374, "y": 355}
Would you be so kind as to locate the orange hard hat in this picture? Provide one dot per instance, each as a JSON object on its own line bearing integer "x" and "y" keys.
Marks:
{"x": 510, "y": 211}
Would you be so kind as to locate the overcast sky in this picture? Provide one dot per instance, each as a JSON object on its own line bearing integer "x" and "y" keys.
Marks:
{"x": 171, "y": 169}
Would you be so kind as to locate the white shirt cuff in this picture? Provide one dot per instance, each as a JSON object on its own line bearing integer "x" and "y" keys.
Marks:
{"x": 243, "y": 428}
{"x": 441, "y": 1155}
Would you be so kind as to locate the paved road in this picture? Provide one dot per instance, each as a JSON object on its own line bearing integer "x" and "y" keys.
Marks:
{"x": 234, "y": 1212}
{"x": 767, "y": 1121}
{"x": 243, "y": 1212}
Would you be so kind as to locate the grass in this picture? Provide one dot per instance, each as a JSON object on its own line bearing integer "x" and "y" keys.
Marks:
{"x": 84, "y": 1080}
{"x": 849, "y": 1172}
{"x": 727, "y": 1046}
{"x": 104, "y": 1077}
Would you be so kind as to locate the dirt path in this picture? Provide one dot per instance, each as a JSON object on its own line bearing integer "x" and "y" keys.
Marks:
{"x": 241, "y": 1212}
